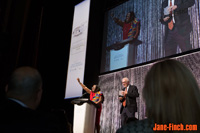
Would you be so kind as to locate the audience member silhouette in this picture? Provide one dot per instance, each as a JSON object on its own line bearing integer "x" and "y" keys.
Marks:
{"x": 18, "y": 112}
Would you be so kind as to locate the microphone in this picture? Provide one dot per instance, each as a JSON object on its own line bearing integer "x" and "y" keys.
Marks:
{"x": 83, "y": 94}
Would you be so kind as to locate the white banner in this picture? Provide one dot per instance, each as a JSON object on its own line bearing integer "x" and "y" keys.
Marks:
{"x": 76, "y": 65}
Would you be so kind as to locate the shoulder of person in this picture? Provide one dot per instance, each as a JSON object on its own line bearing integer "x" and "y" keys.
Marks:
{"x": 165, "y": 2}
{"x": 137, "y": 19}
{"x": 99, "y": 92}
{"x": 132, "y": 86}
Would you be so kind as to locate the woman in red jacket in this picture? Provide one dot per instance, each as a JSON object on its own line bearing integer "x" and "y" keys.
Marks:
{"x": 96, "y": 96}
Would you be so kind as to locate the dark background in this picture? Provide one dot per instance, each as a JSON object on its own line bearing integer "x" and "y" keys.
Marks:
{"x": 37, "y": 33}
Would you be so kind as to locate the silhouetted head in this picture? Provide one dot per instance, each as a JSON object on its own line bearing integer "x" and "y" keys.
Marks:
{"x": 25, "y": 85}
{"x": 171, "y": 93}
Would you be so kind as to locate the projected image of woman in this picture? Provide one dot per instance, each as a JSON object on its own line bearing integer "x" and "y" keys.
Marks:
{"x": 131, "y": 30}
{"x": 131, "y": 25}
{"x": 97, "y": 97}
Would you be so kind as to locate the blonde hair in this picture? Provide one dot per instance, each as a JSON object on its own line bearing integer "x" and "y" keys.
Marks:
{"x": 171, "y": 94}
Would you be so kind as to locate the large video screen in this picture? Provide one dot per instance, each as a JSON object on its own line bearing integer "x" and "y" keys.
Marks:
{"x": 140, "y": 31}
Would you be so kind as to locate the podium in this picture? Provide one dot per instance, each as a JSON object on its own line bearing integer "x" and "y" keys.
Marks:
{"x": 123, "y": 53}
{"x": 84, "y": 116}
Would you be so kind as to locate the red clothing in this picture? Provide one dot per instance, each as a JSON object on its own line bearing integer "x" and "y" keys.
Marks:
{"x": 94, "y": 96}
{"x": 98, "y": 114}
{"x": 126, "y": 29}
{"x": 130, "y": 29}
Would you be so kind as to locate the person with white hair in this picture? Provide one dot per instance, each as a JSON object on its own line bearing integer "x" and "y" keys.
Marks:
{"x": 128, "y": 100}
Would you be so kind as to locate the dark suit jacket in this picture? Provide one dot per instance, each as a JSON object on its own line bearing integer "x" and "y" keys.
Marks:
{"x": 182, "y": 19}
{"x": 16, "y": 118}
{"x": 131, "y": 103}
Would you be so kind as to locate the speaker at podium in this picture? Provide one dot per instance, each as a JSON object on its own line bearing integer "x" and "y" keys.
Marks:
{"x": 84, "y": 115}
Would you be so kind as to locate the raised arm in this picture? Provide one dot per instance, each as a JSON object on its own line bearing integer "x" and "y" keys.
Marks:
{"x": 83, "y": 86}
{"x": 117, "y": 21}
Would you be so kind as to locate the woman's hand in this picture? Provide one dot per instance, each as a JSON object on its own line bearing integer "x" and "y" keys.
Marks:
{"x": 112, "y": 15}
{"x": 78, "y": 80}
